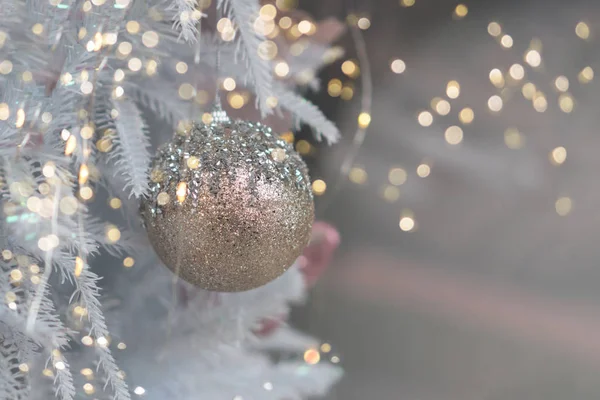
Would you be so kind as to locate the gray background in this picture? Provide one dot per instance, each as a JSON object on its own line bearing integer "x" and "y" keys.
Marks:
{"x": 494, "y": 296}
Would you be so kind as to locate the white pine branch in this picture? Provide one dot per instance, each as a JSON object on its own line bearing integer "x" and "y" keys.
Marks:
{"x": 131, "y": 147}
{"x": 306, "y": 112}
{"x": 185, "y": 18}
{"x": 243, "y": 13}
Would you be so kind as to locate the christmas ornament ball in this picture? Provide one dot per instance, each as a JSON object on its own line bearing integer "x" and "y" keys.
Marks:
{"x": 230, "y": 206}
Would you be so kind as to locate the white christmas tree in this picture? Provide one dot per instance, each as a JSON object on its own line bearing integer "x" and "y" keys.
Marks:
{"x": 79, "y": 81}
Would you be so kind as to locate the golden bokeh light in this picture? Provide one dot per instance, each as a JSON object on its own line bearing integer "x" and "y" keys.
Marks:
{"x": 423, "y": 170}
{"x": 563, "y": 206}
{"x": 494, "y": 29}
{"x": 312, "y": 356}
{"x": 398, "y": 66}
{"x": 466, "y": 115}
{"x": 407, "y": 224}
{"x": 453, "y": 89}
{"x": 495, "y": 103}
{"x": 425, "y": 118}
{"x": 453, "y": 135}
{"x": 513, "y": 139}
{"x": 558, "y": 155}
{"x": 318, "y": 187}
{"x": 582, "y": 30}
{"x": 397, "y": 176}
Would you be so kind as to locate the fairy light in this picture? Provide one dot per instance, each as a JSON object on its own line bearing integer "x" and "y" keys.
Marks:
{"x": 563, "y": 206}
{"x": 150, "y": 39}
{"x": 516, "y": 72}
{"x": 494, "y": 29}
{"x": 357, "y": 175}
{"x": 318, "y": 187}
{"x": 229, "y": 84}
{"x": 558, "y": 155}
{"x": 407, "y": 3}
{"x": 453, "y": 135}
{"x": 586, "y": 75}
{"x": 181, "y": 191}
{"x": 425, "y": 118}
{"x": 442, "y": 107}
{"x": 79, "y": 265}
{"x": 466, "y": 115}
{"x": 496, "y": 78}
{"x": 582, "y": 30}
{"x": 495, "y": 103}
{"x": 533, "y": 58}
{"x": 398, "y": 66}
{"x": 540, "y": 104}
{"x": 128, "y": 262}
{"x": 364, "y": 119}
{"x": 566, "y": 103}
{"x": 513, "y": 139}
{"x": 423, "y": 170}
{"x": 461, "y": 11}
{"x": 334, "y": 87}
{"x": 529, "y": 90}
{"x": 453, "y": 89}
{"x": 113, "y": 234}
{"x": 84, "y": 174}
{"x": 4, "y": 111}
{"x": 506, "y": 41}
{"x": 407, "y": 224}
{"x": 312, "y": 356}
{"x": 397, "y": 176}
{"x": 139, "y": 390}
{"x": 390, "y": 193}
{"x": 561, "y": 83}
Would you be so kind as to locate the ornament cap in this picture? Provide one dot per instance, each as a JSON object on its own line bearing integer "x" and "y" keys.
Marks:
{"x": 219, "y": 115}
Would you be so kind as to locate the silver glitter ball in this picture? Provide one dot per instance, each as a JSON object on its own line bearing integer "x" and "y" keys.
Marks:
{"x": 230, "y": 206}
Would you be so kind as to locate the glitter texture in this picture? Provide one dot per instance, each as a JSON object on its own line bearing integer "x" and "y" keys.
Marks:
{"x": 246, "y": 212}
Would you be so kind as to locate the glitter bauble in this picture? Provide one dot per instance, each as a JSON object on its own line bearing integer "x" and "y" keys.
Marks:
{"x": 230, "y": 207}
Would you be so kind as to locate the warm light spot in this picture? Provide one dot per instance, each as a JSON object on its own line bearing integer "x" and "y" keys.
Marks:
{"x": 312, "y": 356}
{"x": 304, "y": 26}
{"x": 86, "y": 192}
{"x": 398, "y": 66}
{"x": 350, "y": 68}
{"x": 267, "y": 50}
{"x": 271, "y": 101}
{"x": 4, "y": 111}
{"x": 423, "y": 170}
{"x": 16, "y": 275}
{"x": 87, "y": 372}
{"x": 132, "y": 27}
{"x": 364, "y": 119}
{"x": 453, "y": 135}
{"x": 84, "y": 174}
{"x": 49, "y": 169}
{"x": 150, "y": 39}
{"x": 407, "y": 3}
{"x": 334, "y": 87}
{"x": 282, "y": 69}
{"x": 540, "y": 104}
{"x": 23, "y": 367}
{"x": 193, "y": 162}
{"x": 135, "y": 64}
{"x": 586, "y": 75}
{"x": 453, "y": 89}
{"x": 513, "y": 139}
{"x": 121, "y": 346}
{"x": 162, "y": 198}
{"x": 347, "y": 92}
{"x": 139, "y": 390}
{"x": 563, "y": 206}
{"x": 582, "y": 30}
{"x": 88, "y": 388}
{"x": 517, "y": 72}
{"x": 364, "y": 23}
{"x": 236, "y": 101}
{"x": 186, "y": 91}
{"x": 357, "y": 175}
{"x": 494, "y": 29}
{"x": 495, "y": 103}
{"x": 318, "y": 187}
{"x": 461, "y": 11}
{"x": 558, "y": 155}
{"x": 407, "y": 224}
{"x": 181, "y": 191}
{"x": 59, "y": 365}
{"x": 37, "y": 29}
{"x": 397, "y": 176}
{"x": 390, "y": 193}
{"x": 529, "y": 90}
{"x": 566, "y": 103}
{"x": 496, "y": 78}
{"x": 87, "y": 340}
{"x": 466, "y": 115}
{"x": 128, "y": 262}
{"x": 325, "y": 347}
{"x": 562, "y": 83}
{"x": 442, "y": 107}
{"x": 229, "y": 84}
{"x": 6, "y": 67}
{"x": 79, "y": 264}
{"x": 20, "y": 118}
{"x": 102, "y": 341}
{"x": 425, "y": 118}
{"x": 533, "y": 58}
{"x": 113, "y": 234}
{"x": 303, "y": 147}
{"x": 506, "y": 41}
{"x": 124, "y": 49}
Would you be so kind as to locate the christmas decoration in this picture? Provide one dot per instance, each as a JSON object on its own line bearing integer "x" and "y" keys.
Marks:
{"x": 230, "y": 206}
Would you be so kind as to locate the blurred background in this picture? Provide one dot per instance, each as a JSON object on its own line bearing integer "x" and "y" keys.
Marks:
{"x": 469, "y": 220}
